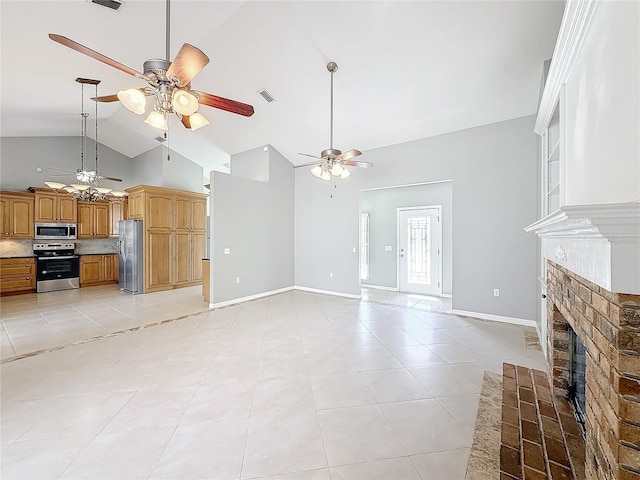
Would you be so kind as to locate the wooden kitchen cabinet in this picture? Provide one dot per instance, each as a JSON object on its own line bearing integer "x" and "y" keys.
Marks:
{"x": 16, "y": 215}
{"x": 110, "y": 268}
{"x": 17, "y": 275}
{"x": 175, "y": 235}
{"x": 93, "y": 220}
{"x": 135, "y": 206}
{"x": 117, "y": 212}
{"x": 54, "y": 207}
{"x": 98, "y": 269}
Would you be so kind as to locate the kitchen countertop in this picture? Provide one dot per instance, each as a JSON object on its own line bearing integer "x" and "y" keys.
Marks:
{"x": 18, "y": 256}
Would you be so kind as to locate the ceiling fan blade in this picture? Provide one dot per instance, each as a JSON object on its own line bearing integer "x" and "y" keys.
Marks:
{"x": 110, "y": 178}
{"x": 349, "y": 154}
{"x": 62, "y": 170}
{"x": 353, "y": 163}
{"x": 187, "y": 64}
{"x": 309, "y": 155}
{"x": 306, "y": 164}
{"x": 67, "y": 42}
{"x": 185, "y": 121}
{"x": 224, "y": 103}
{"x": 106, "y": 98}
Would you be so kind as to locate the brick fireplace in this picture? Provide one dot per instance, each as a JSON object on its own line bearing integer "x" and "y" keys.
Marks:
{"x": 608, "y": 324}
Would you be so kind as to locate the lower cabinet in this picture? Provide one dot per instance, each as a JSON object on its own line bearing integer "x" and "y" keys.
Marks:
{"x": 17, "y": 275}
{"x": 98, "y": 269}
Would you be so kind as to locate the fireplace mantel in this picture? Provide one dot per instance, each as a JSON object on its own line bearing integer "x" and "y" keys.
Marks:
{"x": 598, "y": 242}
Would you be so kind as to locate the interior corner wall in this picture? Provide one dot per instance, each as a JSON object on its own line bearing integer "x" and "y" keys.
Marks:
{"x": 602, "y": 110}
{"x": 153, "y": 168}
{"x": 255, "y": 221}
{"x": 382, "y": 206}
{"x": 493, "y": 170}
{"x": 253, "y": 164}
{"x": 21, "y": 156}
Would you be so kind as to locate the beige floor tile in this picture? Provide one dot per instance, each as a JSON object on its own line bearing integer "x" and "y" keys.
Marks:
{"x": 341, "y": 390}
{"x": 357, "y": 434}
{"x": 207, "y": 450}
{"x": 395, "y": 468}
{"x": 122, "y": 455}
{"x": 445, "y": 465}
{"x": 288, "y": 444}
{"x": 394, "y": 385}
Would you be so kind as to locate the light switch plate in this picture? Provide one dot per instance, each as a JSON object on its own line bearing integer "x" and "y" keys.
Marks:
{"x": 388, "y": 248}
{"x": 227, "y": 251}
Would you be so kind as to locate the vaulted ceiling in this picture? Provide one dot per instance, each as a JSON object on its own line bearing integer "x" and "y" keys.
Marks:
{"x": 407, "y": 69}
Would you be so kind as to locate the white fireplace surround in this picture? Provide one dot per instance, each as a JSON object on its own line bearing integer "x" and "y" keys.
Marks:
{"x": 598, "y": 242}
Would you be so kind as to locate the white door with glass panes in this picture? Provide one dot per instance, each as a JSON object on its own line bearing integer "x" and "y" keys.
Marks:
{"x": 419, "y": 250}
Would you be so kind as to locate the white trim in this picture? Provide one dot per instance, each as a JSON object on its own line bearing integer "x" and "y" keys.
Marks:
{"x": 379, "y": 287}
{"x": 327, "y": 292}
{"x": 406, "y": 185}
{"x": 496, "y": 318}
{"x": 250, "y": 297}
{"x": 446, "y": 295}
{"x": 573, "y": 30}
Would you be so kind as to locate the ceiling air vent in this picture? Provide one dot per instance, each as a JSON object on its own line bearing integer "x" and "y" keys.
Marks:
{"x": 112, "y": 4}
{"x": 160, "y": 139}
{"x": 266, "y": 95}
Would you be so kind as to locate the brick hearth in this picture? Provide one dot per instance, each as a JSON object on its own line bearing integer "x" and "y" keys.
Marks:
{"x": 540, "y": 438}
{"x": 608, "y": 324}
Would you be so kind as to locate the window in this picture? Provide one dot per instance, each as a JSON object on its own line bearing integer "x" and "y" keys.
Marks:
{"x": 364, "y": 246}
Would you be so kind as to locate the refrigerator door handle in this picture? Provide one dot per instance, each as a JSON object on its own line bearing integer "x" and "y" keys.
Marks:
{"x": 123, "y": 250}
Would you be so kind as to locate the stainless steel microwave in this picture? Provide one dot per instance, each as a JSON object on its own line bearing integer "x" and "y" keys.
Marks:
{"x": 56, "y": 231}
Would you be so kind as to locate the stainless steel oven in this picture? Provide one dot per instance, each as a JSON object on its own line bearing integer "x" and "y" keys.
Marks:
{"x": 58, "y": 267}
{"x": 56, "y": 231}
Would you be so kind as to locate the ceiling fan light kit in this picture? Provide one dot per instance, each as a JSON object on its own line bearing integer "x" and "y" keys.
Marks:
{"x": 169, "y": 83}
{"x": 333, "y": 161}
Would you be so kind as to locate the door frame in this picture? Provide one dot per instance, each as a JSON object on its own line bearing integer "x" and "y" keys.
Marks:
{"x": 439, "y": 237}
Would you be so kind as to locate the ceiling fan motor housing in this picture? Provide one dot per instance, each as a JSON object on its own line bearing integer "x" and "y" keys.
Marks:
{"x": 330, "y": 153}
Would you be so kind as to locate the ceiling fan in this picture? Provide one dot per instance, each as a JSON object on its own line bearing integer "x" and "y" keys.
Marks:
{"x": 333, "y": 160}
{"x": 169, "y": 85}
{"x": 82, "y": 175}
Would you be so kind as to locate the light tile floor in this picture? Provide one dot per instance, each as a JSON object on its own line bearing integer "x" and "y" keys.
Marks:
{"x": 297, "y": 385}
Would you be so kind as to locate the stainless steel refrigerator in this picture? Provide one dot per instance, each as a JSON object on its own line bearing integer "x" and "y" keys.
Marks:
{"x": 131, "y": 256}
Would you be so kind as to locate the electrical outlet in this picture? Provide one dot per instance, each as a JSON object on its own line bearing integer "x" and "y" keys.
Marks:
{"x": 237, "y": 279}
{"x": 227, "y": 251}
{"x": 354, "y": 249}
{"x": 330, "y": 274}
{"x": 496, "y": 292}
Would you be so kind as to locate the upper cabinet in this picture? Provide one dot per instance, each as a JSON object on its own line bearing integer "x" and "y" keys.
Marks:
{"x": 190, "y": 213}
{"x": 117, "y": 212}
{"x": 16, "y": 215}
{"x": 93, "y": 220}
{"x": 53, "y": 207}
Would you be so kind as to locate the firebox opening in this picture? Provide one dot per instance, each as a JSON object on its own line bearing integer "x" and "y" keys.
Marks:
{"x": 577, "y": 379}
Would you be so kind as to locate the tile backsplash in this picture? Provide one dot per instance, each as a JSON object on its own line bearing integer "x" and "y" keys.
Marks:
{"x": 24, "y": 248}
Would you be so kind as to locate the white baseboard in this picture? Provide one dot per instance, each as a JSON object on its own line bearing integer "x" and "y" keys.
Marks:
{"x": 446, "y": 295}
{"x": 250, "y": 297}
{"x": 327, "y": 292}
{"x": 379, "y": 287}
{"x": 496, "y": 318}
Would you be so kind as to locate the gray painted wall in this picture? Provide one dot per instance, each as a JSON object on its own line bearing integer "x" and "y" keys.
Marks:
{"x": 382, "y": 207}
{"x": 255, "y": 220}
{"x": 493, "y": 169}
{"x": 253, "y": 164}
{"x": 20, "y": 156}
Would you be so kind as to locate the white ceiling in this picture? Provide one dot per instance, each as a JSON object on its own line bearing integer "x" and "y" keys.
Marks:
{"x": 407, "y": 69}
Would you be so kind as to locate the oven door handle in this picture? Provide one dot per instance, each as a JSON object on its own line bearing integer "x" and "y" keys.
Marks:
{"x": 58, "y": 258}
